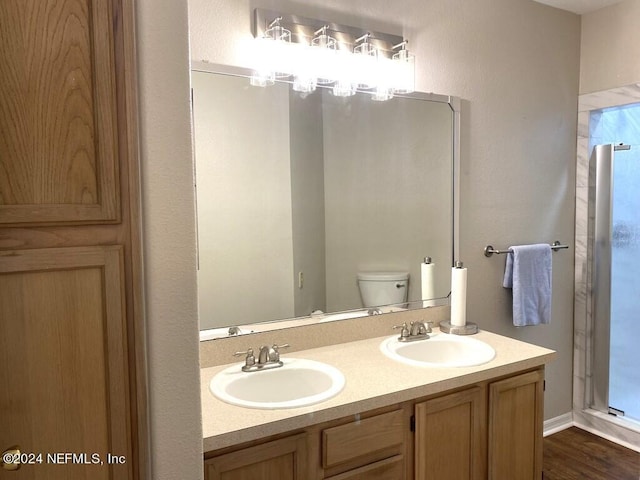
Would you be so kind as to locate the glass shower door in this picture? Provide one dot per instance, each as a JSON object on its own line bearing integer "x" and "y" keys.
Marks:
{"x": 617, "y": 280}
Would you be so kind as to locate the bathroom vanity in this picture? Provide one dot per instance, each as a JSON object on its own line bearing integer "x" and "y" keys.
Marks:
{"x": 391, "y": 421}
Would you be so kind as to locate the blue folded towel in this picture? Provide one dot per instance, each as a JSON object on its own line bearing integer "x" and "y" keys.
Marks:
{"x": 528, "y": 273}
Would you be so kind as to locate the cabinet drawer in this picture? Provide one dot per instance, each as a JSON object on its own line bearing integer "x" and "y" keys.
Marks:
{"x": 283, "y": 459}
{"x": 362, "y": 438}
{"x": 387, "y": 469}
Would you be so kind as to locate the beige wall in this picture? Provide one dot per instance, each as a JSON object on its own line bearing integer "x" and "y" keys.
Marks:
{"x": 610, "y": 47}
{"x": 514, "y": 62}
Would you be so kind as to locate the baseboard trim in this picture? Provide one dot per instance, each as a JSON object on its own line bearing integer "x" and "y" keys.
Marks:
{"x": 557, "y": 424}
{"x": 609, "y": 427}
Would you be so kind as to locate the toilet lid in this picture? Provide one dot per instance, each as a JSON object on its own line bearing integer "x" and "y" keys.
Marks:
{"x": 383, "y": 276}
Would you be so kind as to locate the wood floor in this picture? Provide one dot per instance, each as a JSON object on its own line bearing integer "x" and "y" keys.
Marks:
{"x": 575, "y": 454}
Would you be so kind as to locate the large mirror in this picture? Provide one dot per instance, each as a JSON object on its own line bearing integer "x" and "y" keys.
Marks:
{"x": 299, "y": 195}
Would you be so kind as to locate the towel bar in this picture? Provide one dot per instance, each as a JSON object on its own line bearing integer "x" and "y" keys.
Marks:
{"x": 489, "y": 250}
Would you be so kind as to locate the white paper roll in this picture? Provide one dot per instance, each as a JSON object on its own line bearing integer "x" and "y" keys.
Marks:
{"x": 458, "y": 297}
{"x": 427, "y": 276}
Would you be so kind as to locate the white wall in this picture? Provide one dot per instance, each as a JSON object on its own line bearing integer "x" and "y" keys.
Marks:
{"x": 169, "y": 240}
{"x": 244, "y": 201}
{"x": 610, "y": 47}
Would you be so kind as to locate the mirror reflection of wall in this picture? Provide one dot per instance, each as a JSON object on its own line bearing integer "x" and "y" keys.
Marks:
{"x": 297, "y": 195}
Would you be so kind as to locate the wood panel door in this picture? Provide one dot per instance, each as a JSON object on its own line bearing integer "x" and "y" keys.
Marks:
{"x": 63, "y": 354}
{"x": 284, "y": 459}
{"x": 515, "y": 427}
{"x": 72, "y": 379}
{"x": 450, "y": 436}
{"x": 58, "y": 113}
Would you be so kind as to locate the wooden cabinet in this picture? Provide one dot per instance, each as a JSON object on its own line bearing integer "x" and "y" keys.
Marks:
{"x": 63, "y": 356}
{"x": 450, "y": 438}
{"x": 59, "y": 148}
{"x": 71, "y": 329}
{"x": 489, "y": 430}
{"x": 283, "y": 459}
{"x": 515, "y": 427}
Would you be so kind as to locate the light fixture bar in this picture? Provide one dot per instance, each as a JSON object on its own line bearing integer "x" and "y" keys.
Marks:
{"x": 303, "y": 31}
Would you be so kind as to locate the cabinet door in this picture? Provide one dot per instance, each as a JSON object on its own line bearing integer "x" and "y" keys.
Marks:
{"x": 63, "y": 354}
{"x": 450, "y": 436}
{"x": 284, "y": 459}
{"x": 515, "y": 427}
{"x": 58, "y": 133}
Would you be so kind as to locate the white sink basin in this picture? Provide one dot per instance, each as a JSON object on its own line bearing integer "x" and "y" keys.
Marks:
{"x": 297, "y": 383}
{"x": 440, "y": 350}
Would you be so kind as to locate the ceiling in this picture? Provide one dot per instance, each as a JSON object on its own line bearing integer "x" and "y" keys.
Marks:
{"x": 579, "y": 6}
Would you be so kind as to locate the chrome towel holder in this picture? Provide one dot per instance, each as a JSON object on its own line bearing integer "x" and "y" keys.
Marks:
{"x": 489, "y": 250}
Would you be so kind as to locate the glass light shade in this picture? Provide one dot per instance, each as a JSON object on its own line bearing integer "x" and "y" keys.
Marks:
{"x": 384, "y": 76}
{"x": 342, "y": 88}
{"x": 304, "y": 74}
{"x": 404, "y": 72}
{"x": 304, "y": 84}
{"x": 262, "y": 78}
{"x": 262, "y": 73}
{"x": 323, "y": 56}
{"x": 365, "y": 59}
{"x": 382, "y": 94}
{"x": 345, "y": 84}
{"x": 276, "y": 43}
{"x": 271, "y": 56}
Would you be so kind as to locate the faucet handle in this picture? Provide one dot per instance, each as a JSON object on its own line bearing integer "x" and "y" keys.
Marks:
{"x": 250, "y": 359}
{"x": 404, "y": 332}
{"x": 248, "y": 352}
{"x": 429, "y": 327}
{"x": 276, "y": 351}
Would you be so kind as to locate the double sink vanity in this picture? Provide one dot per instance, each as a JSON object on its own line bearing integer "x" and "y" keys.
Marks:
{"x": 441, "y": 406}
{"x": 287, "y": 221}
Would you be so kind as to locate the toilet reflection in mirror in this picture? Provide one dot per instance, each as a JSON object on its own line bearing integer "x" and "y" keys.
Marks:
{"x": 299, "y": 195}
{"x": 383, "y": 288}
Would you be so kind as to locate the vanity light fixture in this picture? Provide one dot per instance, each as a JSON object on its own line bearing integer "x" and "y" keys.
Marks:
{"x": 309, "y": 53}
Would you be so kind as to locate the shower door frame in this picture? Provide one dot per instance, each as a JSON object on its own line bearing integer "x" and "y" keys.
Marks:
{"x": 603, "y": 158}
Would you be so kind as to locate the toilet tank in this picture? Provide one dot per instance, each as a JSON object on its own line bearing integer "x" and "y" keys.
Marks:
{"x": 383, "y": 288}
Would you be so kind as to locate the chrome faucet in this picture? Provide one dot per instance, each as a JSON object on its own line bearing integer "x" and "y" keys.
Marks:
{"x": 415, "y": 331}
{"x": 268, "y": 357}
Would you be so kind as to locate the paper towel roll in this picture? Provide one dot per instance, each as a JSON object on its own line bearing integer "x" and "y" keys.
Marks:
{"x": 427, "y": 276}
{"x": 458, "y": 296}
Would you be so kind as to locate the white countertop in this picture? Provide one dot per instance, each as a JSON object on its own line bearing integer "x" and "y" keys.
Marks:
{"x": 372, "y": 381}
